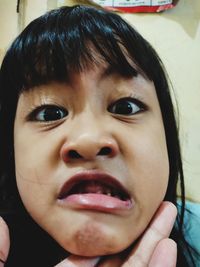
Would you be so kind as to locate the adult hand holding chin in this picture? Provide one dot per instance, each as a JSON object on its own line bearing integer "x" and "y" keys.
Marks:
{"x": 154, "y": 249}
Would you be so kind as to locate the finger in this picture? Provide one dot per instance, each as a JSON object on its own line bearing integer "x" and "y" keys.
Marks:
{"x": 77, "y": 261}
{"x": 159, "y": 228}
{"x": 111, "y": 261}
{"x": 165, "y": 254}
{"x": 4, "y": 242}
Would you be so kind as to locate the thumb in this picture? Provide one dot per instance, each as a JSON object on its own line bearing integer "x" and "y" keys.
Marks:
{"x": 4, "y": 242}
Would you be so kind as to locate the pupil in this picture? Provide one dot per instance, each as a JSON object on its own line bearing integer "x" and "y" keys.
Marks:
{"x": 52, "y": 114}
{"x": 122, "y": 108}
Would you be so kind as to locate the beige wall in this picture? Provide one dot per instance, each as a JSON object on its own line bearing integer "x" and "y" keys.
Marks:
{"x": 8, "y": 23}
{"x": 176, "y": 36}
{"x": 11, "y": 22}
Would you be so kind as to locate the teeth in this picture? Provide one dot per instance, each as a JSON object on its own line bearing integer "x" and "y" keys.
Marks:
{"x": 94, "y": 187}
{"x": 107, "y": 191}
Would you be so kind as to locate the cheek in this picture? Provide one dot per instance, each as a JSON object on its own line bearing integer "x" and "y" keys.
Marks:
{"x": 149, "y": 170}
{"x": 33, "y": 179}
{"x": 36, "y": 196}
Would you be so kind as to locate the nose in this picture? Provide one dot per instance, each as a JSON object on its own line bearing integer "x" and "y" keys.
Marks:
{"x": 89, "y": 146}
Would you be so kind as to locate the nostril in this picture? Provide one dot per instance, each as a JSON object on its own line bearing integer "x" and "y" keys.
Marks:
{"x": 105, "y": 151}
{"x": 74, "y": 155}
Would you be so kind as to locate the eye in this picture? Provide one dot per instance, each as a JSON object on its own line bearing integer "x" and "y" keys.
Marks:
{"x": 127, "y": 106}
{"x": 47, "y": 113}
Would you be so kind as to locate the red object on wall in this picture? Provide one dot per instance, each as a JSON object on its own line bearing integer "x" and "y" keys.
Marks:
{"x": 136, "y": 6}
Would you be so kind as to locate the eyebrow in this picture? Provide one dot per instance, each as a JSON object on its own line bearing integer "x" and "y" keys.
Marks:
{"x": 111, "y": 70}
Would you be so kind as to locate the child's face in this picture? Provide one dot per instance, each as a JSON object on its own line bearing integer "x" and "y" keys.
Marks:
{"x": 100, "y": 140}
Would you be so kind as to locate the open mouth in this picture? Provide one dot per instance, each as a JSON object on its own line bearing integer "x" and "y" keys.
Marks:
{"x": 95, "y": 187}
{"x": 95, "y": 190}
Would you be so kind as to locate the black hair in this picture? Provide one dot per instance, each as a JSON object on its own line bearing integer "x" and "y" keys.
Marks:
{"x": 49, "y": 49}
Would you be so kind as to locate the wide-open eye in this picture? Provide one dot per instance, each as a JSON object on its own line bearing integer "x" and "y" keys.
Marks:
{"x": 47, "y": 113}
{"x": 126, "y": 106}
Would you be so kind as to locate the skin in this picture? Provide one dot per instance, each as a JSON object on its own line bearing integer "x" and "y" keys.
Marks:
{"x": 138, "y": 158}
{"x": 4, "y": 242}
{"x": 154, "y": 249}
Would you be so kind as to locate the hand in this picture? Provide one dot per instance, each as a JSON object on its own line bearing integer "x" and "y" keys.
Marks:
{"x": 4, "y": 242}
{"x": 154, "y": 249}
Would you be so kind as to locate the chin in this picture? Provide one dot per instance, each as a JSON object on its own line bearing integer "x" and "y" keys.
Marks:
{"x": 91, "y": 241}
{"x": 96, "y": 250}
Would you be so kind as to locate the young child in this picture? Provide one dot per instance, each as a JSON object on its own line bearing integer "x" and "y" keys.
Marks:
{"x": 89, "y": 147}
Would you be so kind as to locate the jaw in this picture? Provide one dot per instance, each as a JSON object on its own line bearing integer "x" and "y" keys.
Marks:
{"x": 91, "y": 233}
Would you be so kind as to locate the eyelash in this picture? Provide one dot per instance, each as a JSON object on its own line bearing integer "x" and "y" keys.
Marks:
{"x": 55, "y": 110}
{"x": 32, "y": 116}
{"x": 130, "y": 100}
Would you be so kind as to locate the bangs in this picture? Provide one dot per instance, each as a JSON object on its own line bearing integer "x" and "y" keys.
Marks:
{"x": 73, "y": 40}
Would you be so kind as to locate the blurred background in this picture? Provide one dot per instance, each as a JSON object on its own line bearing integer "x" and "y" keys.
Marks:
{"x": 174, "y": 33}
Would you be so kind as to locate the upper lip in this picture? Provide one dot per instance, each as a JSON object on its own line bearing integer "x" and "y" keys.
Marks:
{"x": 96, "y": 176}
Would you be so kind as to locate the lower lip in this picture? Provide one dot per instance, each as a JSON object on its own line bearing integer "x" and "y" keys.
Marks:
{"x": 96, "y": 202}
